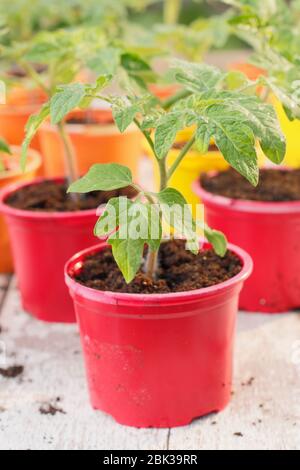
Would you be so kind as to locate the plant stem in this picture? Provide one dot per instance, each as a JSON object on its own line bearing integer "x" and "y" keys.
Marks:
{"x": 172, "y": 10}
{"x": 69, "y": 156}
{"x": 151, "y": 264}
{"x": 163, "y": 174}
{"x": 35, "y": 77}
{"x": 181, "y": 155}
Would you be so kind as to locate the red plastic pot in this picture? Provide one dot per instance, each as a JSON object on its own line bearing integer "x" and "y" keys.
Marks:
{"x": 158, "y": 360}
{"x": 270, "y": 233}
{"x": 42, "y": 242}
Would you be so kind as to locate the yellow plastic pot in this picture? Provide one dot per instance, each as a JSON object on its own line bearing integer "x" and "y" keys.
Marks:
{"x": 191, "y": 167}
{"x": 14, "y": 175}
{"x": 291, "y": 130}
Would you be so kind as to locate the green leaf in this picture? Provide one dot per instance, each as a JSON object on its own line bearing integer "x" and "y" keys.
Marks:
{"x": 103, "y": 177}
{"x": 167, "y": 127}
{"x": 197, "y": 77}
{"x": 4, "y": 147}
{"x": 128, "y": 255}
{"x": 66, "y": 99}
{"x": 42, "y": 52}
{"x": 31, "y": 128}
{"x": 134, "y": 63}
{"x": 262, "y": 119}
{"x": 217, "y": 240}
{"x": 235, "y": 80}
{"x": 124, "y": 113}
{"x": 203, "y": 137}
{"x": 177, "y": 213}
{"x": 115, "y": 211}
{"x": 105, "y": 62}
{"x": 236, "y": 142}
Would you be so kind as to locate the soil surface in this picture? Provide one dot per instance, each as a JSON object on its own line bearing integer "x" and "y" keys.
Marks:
{"x": 18, "y": 72}
{"x": 274, "y": 186}
{"x": 49, "y": 196}
{"x": 179, "y": 271}
{"x": 180, "y": 145}
{"x": 90, "y": 120}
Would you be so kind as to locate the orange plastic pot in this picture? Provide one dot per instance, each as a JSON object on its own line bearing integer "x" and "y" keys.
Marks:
{"x": 14, "y": 175}
{"x": 20, "y": 104}
{"x": 251, "y": 71}
{"x": 164, "y": 92}
{"x": 98, "y": 142}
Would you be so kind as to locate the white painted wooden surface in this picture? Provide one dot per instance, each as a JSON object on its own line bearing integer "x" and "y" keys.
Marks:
{"x": 265, "y": 407}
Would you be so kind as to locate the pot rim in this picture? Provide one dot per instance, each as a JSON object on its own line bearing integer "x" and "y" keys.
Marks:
{"x": 89, "y": 129}
{"x": 34, "y": 163}
{"x": 245, "y": 205}
{"x": 38, "y": 215}
{"x": 109, "y": 297}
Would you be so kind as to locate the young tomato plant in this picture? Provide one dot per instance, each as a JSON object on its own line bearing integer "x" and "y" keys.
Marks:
{"x": 210, "y": 100}
{"x": 65, "y": 53}
{"x": 272, "y": 30}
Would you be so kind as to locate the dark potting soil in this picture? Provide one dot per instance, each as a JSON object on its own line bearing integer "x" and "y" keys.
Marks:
{"x": 49, "y": 196}
{"x": 90, "y": 120}
{"x": 180, "y": 145}
{"x": 18, "y": 72}
{"x": 275, "y": 185}
{"x": 179, "y": 271}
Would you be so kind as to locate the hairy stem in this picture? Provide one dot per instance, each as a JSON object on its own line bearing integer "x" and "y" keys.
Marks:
{"x": 69, "y": 156}
{"x": 35, "y": 76}
{"x": 172, "y": 10}
{"x": 163, "y": 174}
{"x": 152, "y": 264}
{"x": 181, "y": 155}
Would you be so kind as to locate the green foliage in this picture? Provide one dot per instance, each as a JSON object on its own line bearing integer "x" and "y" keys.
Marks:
{"x": 4, "y": 147}
{"x": 221, "y": 106}
{"x": 31, "y": 129}
{"x": 66, "y": 100}
{"x": 103, "y": 177}
{"x": 272, "y": 29}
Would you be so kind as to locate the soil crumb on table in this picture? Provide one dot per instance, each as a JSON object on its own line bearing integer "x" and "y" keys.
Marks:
{"x": 51, "y": 408}
{"x": 179, "y": 271}
{"x": 12, "y": 372}
{"x": 49, "y": 196}
{"x": 275, "y": 185}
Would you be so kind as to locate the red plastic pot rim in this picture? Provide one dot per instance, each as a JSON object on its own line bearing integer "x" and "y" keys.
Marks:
{"x": 40, "y": 215}
{"x": 108, "y": 297}
{"x": 241, "y": 205}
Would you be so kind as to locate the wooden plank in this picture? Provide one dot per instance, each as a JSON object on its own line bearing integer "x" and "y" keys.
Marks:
{"x": 265, "y": 408}
{"x": 53, "y": 368}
